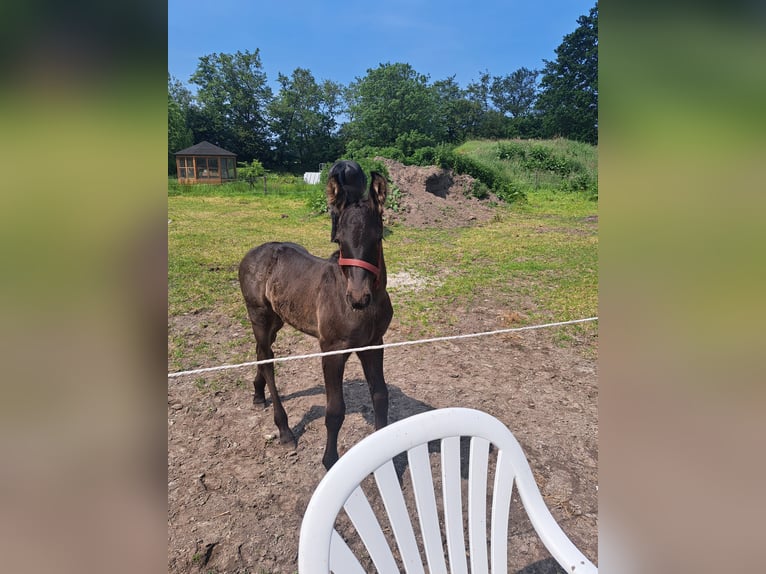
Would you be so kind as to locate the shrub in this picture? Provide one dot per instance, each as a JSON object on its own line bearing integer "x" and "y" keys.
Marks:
{"x": 423, "y": 156}
{"x": 250, "y": 172}
{"x": 394, "y": 199}
{"x": 317, "y": 201}
{"x": 408, "y": 143}
{"x": 479, "y": 190}
{"x": 510, "y": 191}
{"x": 358, "y": 153}
{"x": 581, "y": 182}
{"x": 541, "y": 158}
{"x": 511, "y": 150}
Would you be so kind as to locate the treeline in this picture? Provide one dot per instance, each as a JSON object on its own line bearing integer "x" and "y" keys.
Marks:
{"x": 308, "y": 122}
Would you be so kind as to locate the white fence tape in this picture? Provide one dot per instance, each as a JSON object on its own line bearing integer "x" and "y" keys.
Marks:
{"x": 373, "y": 347}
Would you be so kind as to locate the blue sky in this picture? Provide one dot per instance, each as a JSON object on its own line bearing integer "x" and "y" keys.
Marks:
{"x": 340, "y": 40}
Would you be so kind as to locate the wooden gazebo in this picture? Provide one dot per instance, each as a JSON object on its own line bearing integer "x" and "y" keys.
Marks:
{"x": 205, "y": 163}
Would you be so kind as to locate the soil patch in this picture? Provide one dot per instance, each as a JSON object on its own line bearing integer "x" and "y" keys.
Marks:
{"x": 236, "y": 497}
{"x": 432, "y": 196}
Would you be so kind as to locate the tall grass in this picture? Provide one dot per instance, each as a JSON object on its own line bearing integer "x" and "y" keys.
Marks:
{"x": 276, "y": 184}
{"x": 535, "y": 165}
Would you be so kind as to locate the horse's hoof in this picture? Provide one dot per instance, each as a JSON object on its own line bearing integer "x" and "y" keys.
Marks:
{"x": 328, "y": 461}
{"x": 288, "y": 439}
{"x": 259, "y": 401}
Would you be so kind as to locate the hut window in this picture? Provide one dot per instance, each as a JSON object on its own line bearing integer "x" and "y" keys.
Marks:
{"x": 201, "y": 168}
{"x": 182, "y": 163}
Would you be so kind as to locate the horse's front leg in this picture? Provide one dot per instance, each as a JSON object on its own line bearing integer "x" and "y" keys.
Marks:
{"x": 333, "y": 367}
{"x": 372, "y": 363}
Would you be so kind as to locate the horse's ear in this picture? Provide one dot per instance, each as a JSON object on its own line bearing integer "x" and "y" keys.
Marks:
{"x": 336, "y": 197}
{"x": 378, "y": 191}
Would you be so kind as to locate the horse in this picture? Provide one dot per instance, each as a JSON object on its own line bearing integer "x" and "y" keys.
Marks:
{"x": 342, "y": 300}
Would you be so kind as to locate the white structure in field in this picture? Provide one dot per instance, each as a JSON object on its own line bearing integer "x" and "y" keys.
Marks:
{"x": 311, "y": 176}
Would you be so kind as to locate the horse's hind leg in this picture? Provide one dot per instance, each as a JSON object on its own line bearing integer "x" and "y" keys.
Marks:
{"x": 372, "y": 364}
{"x": 265, "y": 334}
{"x": 265, "y": 326}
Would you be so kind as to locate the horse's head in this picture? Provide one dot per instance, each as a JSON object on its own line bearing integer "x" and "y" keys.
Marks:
{"x": 358, "y": 230}
{"x": 351, "y": 182}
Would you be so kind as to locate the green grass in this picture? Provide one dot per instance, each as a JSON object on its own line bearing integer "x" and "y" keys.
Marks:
{"x": 540, "y": 254}
{"x": 276, "y": 184}
{"x": 548, "y": 256}
{"x": 582, "y": 159}
{"x": 209, "y": 235}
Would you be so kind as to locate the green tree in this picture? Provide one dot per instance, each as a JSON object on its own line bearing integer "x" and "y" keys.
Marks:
{"x": 303, "y": 121}
{"x": 459, "y": 116}
{"x": 515, "y": 94}
{"x": 490, "y": 122}
{"x": 232, "y": 100}
{"x": 390, "y": 100}
{"x": 568, "y": 99}
{"x": 479, "y": 91}
{"x": 180, "y": 93}
{"x": 179, "y": 132}
{"x": 250, "y": 172}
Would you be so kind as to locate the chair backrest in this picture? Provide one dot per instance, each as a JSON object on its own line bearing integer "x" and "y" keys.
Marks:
{"x": 322, "y": 549}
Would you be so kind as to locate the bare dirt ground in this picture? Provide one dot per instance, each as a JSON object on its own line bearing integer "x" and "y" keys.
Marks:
{"x": 236, "y": 497}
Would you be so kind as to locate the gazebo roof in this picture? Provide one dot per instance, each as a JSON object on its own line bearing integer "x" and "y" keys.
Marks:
{"x": 205, "y": 148}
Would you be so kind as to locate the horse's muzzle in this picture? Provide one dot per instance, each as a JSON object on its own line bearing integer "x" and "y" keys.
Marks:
{"x": 359, "y": 302}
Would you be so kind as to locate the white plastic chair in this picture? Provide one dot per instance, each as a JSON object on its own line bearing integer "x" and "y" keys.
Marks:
{"x": 322, "y": 549}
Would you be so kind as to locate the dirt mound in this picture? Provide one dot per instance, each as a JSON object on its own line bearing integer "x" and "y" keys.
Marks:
{"x": 435, "y": 196}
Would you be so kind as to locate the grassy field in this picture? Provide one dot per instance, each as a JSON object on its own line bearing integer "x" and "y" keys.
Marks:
{"x": 542, "y": 252}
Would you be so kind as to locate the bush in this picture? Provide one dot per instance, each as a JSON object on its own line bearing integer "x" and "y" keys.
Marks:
{"x": 510, "y": 191}
{"x": 479, "y": 190}
{"x": 317, "y": 201}
{"x": 410, "y": 142}
{"x": 394, "y": 199}
{"x": 581, "y": 182}
{"x": 358, "y": 153}
{"x": 511, "y": 150}
{"x": 423, "y": 156}
{"x": 541, "y": 158}
{"x": 250, "y": 172}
